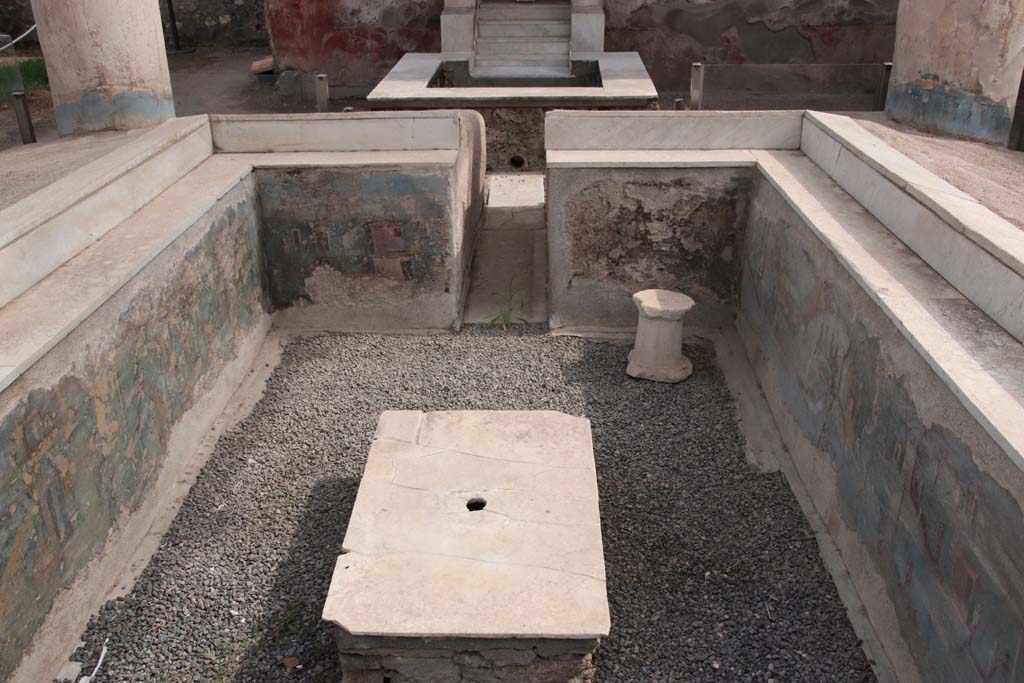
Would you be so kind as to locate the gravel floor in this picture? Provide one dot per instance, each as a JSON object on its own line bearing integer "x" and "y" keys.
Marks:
{"x": 713, "y": 573}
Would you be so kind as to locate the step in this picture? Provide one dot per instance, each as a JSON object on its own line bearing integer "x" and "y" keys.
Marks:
{"x": 523, "y": 60}
{"x": 523, "y": 11}
{"x": 511, "y": 29}
{"x": 523, "y": 46}
{"x": 504, "y": 70}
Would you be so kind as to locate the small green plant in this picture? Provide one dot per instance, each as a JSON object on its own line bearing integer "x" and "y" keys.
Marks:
{"x": 506, "y": 317}
{"x": 26, "y": 74}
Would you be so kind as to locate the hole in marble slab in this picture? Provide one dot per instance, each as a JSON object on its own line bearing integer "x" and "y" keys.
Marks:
{"x": 517, "y": 162}
{"x": 476, "y": 504}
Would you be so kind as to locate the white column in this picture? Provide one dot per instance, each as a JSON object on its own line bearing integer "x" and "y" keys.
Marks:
{"x": 587, "y": 26}
{"x": 106, "y": 62}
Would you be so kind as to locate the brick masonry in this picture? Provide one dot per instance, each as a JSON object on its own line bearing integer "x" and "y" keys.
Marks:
{"x": 443, "y": 660}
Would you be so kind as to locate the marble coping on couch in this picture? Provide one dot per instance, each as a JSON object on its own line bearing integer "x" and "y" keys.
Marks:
{"x": 34, "y": 322}
{"x": 51, "y": 226}
{"x": 979, "y": 357}
{"x": 624, "y": 83}
{"x": 976, "y": 250}
{"x": 672, "y": 130}
{"x": 45, "y": 229}
{"x": 353, "y": 132}
{"x": 474, "y": 524}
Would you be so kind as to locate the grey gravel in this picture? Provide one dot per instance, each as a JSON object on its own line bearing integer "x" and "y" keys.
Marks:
{"x": 713, "y": 572}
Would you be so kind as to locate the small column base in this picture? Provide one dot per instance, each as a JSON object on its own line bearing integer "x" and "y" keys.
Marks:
{"x": 657, "y": 352}
{"x": 671, "y": 373}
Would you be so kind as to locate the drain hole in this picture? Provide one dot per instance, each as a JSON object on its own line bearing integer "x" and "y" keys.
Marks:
{"x": 517, "y": 162}
{"x": 476, "y": 504}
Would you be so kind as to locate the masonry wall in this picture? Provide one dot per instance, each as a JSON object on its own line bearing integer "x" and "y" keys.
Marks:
{"x": 958, "y": 65}
{"x": 85, "y": 431}
{"x": 671, "y": 34}
{"x": 358, "y": 248}
{"x": 356, "y": 42}
{"x": 223, "y": 23}
{"x": 896, "y": 466}
{"x": 613, "y": 232}
{"x": 16, "y": 17}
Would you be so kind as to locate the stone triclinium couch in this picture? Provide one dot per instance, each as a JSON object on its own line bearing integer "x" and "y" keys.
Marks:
{"x": 882, "y": 310}
{"x": 136, "y": 291}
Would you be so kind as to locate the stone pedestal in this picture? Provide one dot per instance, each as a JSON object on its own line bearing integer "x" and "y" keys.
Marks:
{"x": 106, "y": 62}
{"x": 473, "y": 552}
{"x": 657, "y": 353}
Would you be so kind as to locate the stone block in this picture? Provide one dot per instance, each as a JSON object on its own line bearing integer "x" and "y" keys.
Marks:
{"x": 456, "y": 554}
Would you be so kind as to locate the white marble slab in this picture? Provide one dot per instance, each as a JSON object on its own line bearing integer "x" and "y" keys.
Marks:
{"x": 672, "y": 130}
{"x": 623, "y": 76}
{"x": 649, "y": 158}
{"x": 49, "y": 227}
{"x": 356, "y": 132}
{"x": 419, "y": 563}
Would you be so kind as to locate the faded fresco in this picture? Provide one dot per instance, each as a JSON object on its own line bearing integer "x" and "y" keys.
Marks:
{"x": 78, "y": 452}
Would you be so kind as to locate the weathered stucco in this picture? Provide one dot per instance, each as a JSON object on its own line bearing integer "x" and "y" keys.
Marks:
{"x": 359, "y": 247}
{"x": 15, "y": 16}
{"x": 84, "y": 432}
{"x": 957, "y": 66}
{"x": 614, "y": 232}
{"x": 218, "y": 22}
{"x": 353, "y": 41}
{"x": 889, "y": 455}
{"x": 670, "y": 34}
{"x": 357, "y": 42}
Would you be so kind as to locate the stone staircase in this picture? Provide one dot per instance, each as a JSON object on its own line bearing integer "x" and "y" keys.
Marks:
{"x": 523, "y": 40}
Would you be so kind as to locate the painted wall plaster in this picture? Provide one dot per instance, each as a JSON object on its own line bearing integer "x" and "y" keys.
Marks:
{"x": 671, "y": 34}
{"x": 889, "y": 455}
{"x": 896, "y": 466}
{"x": 357, "y": 42}
{"x": 613, "y": 232}
{"x": 83, "y": 433}
{"x": 361, "y": 245}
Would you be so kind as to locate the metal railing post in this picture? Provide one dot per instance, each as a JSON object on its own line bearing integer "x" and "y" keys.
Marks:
{"x": 21, "y": 112}
{"x": 883, "y": 86}
{"x": 697, "y": 86}
{"x": 176, "y": 48}
{"x": 323, "y": 93}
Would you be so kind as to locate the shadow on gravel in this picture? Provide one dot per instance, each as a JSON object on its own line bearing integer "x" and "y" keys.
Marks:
{"x": 713, "y": 571}
{"x": 290, "y": 625}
